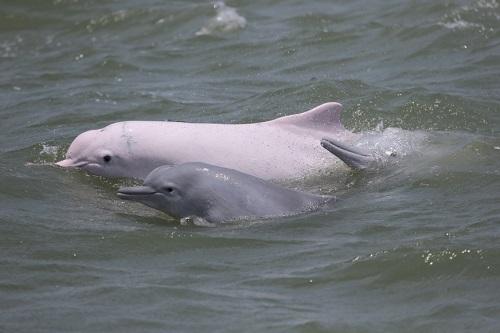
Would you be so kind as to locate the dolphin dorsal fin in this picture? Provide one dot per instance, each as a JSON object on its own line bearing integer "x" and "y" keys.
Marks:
{"x": 323, "y": 116}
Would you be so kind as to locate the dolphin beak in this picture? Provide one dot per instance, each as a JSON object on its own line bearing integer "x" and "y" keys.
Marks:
{"x": 135, "y": 193}
{"x": 65, "y": 163}
{"x": 69, "y": 163}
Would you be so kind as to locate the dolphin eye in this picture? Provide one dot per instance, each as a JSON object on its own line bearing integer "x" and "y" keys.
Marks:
{"x": 106, "y": 158}
{"x": 168, "y": 189}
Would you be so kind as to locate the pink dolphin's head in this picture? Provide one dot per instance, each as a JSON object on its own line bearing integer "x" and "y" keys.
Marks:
{"x": 100, "y": 152}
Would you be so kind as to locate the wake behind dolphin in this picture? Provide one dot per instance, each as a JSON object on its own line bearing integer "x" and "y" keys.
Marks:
{"x": 211, "y": 194}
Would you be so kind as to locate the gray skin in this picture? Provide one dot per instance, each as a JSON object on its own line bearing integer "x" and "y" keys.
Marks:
{"x": 352, "y": 157}
{"x": 216, "y": 194}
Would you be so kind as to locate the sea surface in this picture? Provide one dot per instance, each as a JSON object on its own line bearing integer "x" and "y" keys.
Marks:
{"x": 414, "y": 247}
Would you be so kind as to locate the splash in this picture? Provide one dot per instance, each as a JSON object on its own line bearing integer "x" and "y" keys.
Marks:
{"x": 478, "y": 15}
{"x": 458, "y": 24}
{"x": 9, "y": 49}
{"x": 45, "y": 154}
{"x": 114, "y": 17}
{"x": 50, "y": 150}
{"x": 225, "y": 20}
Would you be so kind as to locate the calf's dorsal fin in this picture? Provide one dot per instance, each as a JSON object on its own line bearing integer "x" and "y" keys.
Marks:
{"x": 323, "y": 116}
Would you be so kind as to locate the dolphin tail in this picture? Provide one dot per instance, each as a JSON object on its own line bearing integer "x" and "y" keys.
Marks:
{"x": 353, "y": 157}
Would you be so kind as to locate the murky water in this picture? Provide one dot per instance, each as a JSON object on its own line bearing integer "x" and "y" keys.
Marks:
{"x": 413, "y": 247}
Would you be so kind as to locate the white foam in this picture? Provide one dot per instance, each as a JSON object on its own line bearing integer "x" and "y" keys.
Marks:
{"x": 225, "y": 20}
{"x": 454, "y": 20}
{"x": 49, "y": 150}
{"x": 459, "y": 24}
{"x": 490, "y": 4}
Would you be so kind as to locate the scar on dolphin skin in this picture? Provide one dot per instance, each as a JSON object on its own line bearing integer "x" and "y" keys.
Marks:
{"x": 129, "y": 140}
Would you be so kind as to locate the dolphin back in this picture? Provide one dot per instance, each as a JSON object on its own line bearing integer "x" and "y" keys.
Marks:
{"x": 238, "y": 195}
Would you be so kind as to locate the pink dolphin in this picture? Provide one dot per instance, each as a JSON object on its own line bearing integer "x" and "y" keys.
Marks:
{"x": 283, "y": 148}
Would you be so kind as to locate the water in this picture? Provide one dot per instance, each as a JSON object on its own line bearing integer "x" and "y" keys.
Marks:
{"x": 411, "y": 248}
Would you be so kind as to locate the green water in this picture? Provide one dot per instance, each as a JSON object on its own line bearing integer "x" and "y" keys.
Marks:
{"x": 413, "y": 248}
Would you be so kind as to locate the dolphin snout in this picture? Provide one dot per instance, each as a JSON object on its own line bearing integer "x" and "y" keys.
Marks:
{"x": 130, "y": 193}
{"x": 69, "y": 163}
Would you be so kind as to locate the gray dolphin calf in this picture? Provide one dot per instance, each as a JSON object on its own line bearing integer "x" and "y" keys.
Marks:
{"x": 212, "y": 194}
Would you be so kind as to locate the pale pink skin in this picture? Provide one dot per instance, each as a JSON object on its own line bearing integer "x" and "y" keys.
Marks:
{"x": 283, "y": 148}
